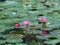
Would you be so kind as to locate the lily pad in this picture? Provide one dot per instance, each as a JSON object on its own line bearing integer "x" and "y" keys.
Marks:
{"x": 52, "y": 41}
{"x": 2, "y": 41}
{"x": 14, "y": 40}
{"x": 20, "y": 44}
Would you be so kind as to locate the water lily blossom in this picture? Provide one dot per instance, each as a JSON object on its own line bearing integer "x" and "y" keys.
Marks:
{"x": 44, "y": 32}
{"x": 16, "y": 25}
{"x": 42, "y": 19}
{"x": 26, "y": 23}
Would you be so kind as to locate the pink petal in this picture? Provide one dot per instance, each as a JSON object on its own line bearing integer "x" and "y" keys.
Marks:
{"x": 42, "y": 19}
{"x": 16, "y": 25}
{"x": 26, "y": 23}
{"x": 44, "y": 32}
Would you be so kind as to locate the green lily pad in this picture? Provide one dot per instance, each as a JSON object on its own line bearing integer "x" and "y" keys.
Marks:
{"x": 52, "y": 41}
{"x": 14, "y": 40}
{"x": 20, "y": 44}
{"x": 2, "y": 41}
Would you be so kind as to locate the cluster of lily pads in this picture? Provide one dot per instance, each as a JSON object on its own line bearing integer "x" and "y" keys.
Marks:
{"x": 19, "y": 23}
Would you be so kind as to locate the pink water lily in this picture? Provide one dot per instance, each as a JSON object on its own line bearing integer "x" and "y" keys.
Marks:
{"x": 26, "y": 23}
{"x": 44, "y": 32}
{"x": 16, "y": 25}
{"x": 42, "y": 19}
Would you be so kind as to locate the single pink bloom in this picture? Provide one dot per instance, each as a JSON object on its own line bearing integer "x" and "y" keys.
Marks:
{"x": 42, "y": 19}
{"x": 16, "y": 25}
{"x": 44, "y": 32}
{"x": 26, "y": 23}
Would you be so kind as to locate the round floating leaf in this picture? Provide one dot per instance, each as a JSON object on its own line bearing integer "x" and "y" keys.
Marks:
{"x": 20, "y": 44}
{"x": 14, "y": 40}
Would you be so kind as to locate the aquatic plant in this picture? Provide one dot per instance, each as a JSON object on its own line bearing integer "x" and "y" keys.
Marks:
{"x": 26, "y": 23}
{"x": 16, "y": 25}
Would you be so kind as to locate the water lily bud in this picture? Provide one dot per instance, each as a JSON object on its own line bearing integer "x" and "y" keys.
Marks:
{"x": 26, "y": 23}
{"x": 42, "y": 19}
{"x": 44, "y": 32}
{"x": 16, "y": 25}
